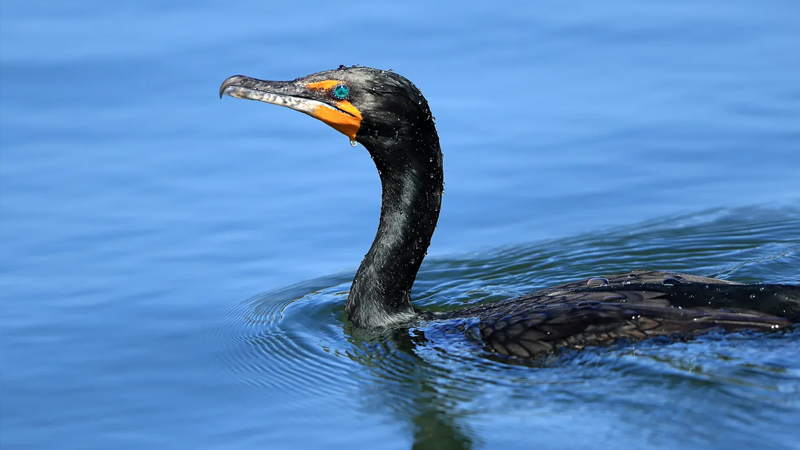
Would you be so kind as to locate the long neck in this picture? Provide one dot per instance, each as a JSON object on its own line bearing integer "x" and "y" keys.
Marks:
{"x": 412, "y": 180}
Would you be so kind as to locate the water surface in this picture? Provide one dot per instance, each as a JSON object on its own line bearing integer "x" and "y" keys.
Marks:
{"x": 174, "y": 266}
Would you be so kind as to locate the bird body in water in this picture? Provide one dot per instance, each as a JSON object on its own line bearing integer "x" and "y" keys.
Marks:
{"x": 388, "y": 115}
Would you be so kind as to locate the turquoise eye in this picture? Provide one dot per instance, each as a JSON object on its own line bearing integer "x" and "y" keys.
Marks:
{"x": 340, "y": 92}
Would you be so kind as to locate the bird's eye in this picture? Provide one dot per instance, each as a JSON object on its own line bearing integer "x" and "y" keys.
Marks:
{"x": 340, "y": 92}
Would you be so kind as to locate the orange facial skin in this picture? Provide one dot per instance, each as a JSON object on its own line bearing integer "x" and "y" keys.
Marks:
{"x": 326, "y": 85}
{"x": 347, "y": 122}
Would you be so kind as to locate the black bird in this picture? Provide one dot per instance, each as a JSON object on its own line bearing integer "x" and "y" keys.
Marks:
{"x": 389, "y": 116}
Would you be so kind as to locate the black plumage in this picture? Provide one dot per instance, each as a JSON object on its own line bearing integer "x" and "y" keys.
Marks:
{"x": 388, "y": 115}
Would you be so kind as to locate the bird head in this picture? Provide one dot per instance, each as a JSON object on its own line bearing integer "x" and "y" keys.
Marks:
{"x": 381, "y": 109}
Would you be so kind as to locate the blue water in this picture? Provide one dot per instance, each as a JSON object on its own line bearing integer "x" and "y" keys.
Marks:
{"x": 174, "y": 267}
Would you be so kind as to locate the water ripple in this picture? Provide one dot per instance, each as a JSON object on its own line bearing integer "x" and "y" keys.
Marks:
{"x": 431, "y": 375}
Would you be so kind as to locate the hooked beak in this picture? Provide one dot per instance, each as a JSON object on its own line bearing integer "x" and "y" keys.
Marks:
{"x": 311, "y": 99}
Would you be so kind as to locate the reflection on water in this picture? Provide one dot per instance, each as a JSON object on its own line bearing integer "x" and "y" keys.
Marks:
{"x": 444, "y": 390}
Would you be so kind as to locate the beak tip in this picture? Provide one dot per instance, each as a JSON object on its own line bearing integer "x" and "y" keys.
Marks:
{"x": 230, "y": 81}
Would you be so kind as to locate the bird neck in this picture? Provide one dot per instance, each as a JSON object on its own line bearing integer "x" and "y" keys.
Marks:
{"x": 412, "y": 181}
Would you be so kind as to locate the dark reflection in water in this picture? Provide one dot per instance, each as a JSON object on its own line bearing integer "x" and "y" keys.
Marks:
{"x": 407, "y": 387}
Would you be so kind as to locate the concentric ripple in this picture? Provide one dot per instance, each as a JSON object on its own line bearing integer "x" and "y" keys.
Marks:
{"x": 432, "y": 378}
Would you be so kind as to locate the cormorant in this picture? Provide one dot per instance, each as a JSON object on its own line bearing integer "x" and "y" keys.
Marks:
{"x": 389, "y": 116}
